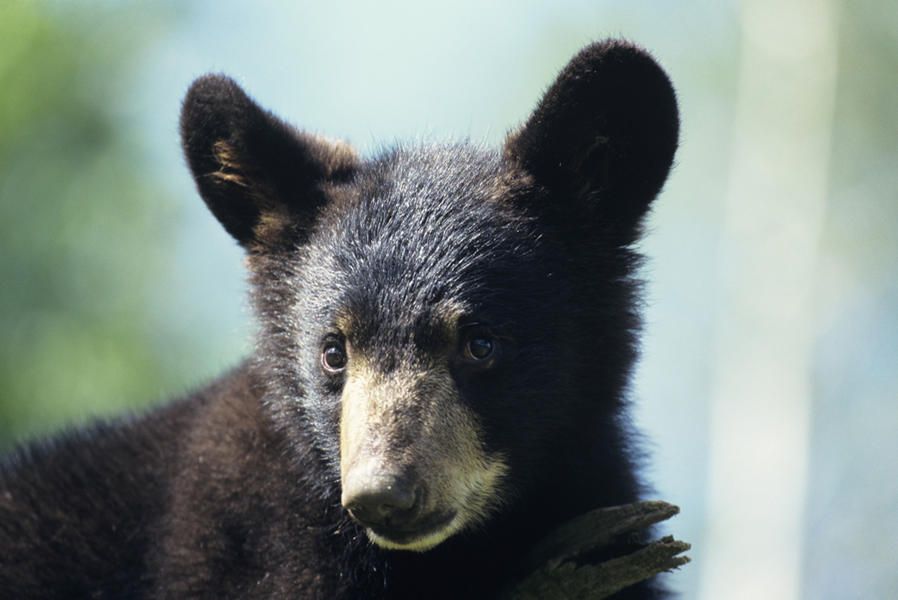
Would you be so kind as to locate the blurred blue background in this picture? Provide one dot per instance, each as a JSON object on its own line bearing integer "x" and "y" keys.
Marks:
{"x": 767, "y": 390}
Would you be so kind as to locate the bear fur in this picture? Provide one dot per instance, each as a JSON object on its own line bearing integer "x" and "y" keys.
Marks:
{"x": 455, "y": 320}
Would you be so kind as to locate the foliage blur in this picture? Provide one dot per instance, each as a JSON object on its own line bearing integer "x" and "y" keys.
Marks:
{"x": 79, "y": 226}
{"x": 118, "y": 289}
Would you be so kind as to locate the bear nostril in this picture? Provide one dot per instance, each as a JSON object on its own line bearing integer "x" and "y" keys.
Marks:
{"x": 389, "y": 502}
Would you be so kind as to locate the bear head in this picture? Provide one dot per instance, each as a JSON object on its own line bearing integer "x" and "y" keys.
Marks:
{"x": 442, "y": 321}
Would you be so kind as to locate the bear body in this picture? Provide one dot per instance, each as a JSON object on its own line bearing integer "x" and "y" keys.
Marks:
{"x": 446, "y": 335}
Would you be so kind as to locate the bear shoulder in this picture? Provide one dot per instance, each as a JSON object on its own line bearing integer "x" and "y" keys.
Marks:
{"x": 90, "y": 505}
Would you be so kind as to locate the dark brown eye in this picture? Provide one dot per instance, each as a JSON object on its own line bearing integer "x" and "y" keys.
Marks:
{"x": 333, "y": 357}
{"x": 479, "y": 346}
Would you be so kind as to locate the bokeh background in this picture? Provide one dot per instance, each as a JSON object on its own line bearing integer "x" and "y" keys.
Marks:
{"x": 767, "y": 390}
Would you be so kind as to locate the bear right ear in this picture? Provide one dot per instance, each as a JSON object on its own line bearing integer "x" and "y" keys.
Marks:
{"x": 259, "y": 176}
{"x": 603, "y": 137}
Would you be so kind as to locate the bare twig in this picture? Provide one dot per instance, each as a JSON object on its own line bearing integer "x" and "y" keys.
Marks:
{"x": 555, "y": 576}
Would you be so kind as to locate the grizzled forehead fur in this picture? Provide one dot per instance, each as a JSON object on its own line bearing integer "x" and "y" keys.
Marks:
{"x": 420, "y": 239}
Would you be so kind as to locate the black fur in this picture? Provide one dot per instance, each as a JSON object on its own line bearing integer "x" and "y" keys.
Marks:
{"x": 235, "y": 491}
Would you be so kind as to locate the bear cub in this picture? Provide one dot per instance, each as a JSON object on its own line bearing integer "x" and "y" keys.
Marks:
{"x": 446, "y": 335}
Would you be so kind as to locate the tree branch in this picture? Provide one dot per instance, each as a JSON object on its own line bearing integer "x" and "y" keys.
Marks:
{"x": 556, "y": 575}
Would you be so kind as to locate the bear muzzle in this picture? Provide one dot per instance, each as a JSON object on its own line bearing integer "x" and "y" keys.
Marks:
{"x": 414, "y": 470}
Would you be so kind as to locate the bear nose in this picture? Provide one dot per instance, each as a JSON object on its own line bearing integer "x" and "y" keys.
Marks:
{"x": 390, "y": 501}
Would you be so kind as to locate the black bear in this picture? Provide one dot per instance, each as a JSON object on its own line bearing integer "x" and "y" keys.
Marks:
{"x": 445, "y": 338}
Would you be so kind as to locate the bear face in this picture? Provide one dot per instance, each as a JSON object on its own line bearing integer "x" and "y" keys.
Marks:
{"x": 444, "y": 322}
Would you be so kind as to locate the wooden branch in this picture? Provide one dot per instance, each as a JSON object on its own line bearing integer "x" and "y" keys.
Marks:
{"x": 556, "y": 575}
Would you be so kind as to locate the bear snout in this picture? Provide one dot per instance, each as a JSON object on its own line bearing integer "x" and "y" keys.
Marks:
{"x": 394, "y": 510}
{"x": 382, "y": 501}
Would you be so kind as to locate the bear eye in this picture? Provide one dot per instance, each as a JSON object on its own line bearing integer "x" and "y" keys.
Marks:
{"x": 479, "y": 346}
{"x": 333, "y": 356}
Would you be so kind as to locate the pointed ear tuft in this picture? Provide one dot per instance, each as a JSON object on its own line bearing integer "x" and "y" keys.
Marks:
{"x": 258, "y": 175}
{"x": 604, "y": 133}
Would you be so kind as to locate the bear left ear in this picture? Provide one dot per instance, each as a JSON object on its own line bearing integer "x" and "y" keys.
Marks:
{"x": 605, "y": 134}
{"x": 259, "y": 176}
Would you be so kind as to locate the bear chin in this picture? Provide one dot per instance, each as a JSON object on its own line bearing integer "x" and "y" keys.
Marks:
{"x": 420, "y": 541}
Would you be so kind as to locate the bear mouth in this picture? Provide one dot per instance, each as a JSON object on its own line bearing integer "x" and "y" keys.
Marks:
{"x": 425, "y": 534}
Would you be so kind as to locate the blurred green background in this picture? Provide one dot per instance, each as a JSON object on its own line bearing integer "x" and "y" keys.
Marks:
{"x": 767, "y": 390}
